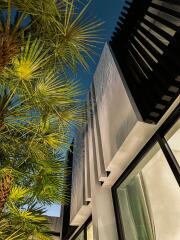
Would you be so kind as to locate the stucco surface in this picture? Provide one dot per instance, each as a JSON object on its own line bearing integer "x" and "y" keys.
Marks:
{"x": 116, "y": 114}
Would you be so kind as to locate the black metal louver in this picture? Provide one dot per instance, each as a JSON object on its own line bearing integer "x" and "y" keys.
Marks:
{"x": 146, "y": 43}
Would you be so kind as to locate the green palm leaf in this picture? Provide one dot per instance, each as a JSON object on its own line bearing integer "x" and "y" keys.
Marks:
{"x": 77, "y": 37}
{"x": 40, "y": 107}
{"x": 28, "y": 64}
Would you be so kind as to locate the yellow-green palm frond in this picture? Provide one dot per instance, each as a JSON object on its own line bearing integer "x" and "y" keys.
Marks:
{"x": 11, "y": 24}
{"x": 41, "y": 236}
{"x": 53, "y": 140}
{"x": 23, "y": 223}
{"x": 38, "y": 138}
{"x": 7, "y": 171}
{"x": 25, "y": 215}
{"x": 7, "y": 233}
{"x": 37, "y": 151}
{"x": 30, "y": 220}
{"x": 43, "y": 14}
{"x": 77, "y": 37}
{"x": 53, "y": 90}
{"x": 29, "y": 63}
{"x": 53, "y": 189}
{"x": 49, "y": 181}
{"x": 16, "y": 235}
{"x": 14, "y": 116}
{"x": 73, "y": 115}
{"x": 59, "y": 97}
{"x": 3, "y": 225}
{"x": 18, "y": 193}
{"x": 38, "y": 107}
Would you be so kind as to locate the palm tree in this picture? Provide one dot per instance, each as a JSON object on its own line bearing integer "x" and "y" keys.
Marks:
{"x": 10, "y": 33}
{"x": 37, "y": 109}
{"x": 39, "y": 106}
{"x": 66, "y": 29}
{"x": 6, "y": 231}
{"x": 28, "y": 183}
{"x": 21, "y": 221}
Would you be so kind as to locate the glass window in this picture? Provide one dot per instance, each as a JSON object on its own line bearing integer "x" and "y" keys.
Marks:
{"x": 146, "y": 198}
{"x": 80, "y": 236}
{"x": 173, "y": 139}
{"x": 90, "y": 232}
{"x": 87, "y": 233}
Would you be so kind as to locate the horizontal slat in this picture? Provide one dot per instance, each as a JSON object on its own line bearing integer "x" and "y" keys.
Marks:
{"x": 124, "y": 14}
{"x": 126, "y": 8}
{"x": 166, "y": 10}
{"x": 155, "y": 40}
{"x": 139, "y": 59}
{"x": 148, "y": 87}
{"x": 176, "y": 2}
{"x": 158, "y": 30}
{"x": 122, "y": 19}
{"x": 149, "y": 47}
{"x": 163, "y": 21}
{"x": 130, "y": 64}
{"x": 156, "y": 88}
{"x": 143, "y": 52}
{"x": 139, "y": 73}
{"x": 128, "y": 2}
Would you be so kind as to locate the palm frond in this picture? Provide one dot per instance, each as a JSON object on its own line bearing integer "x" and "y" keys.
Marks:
{"x": 10, "y": 33}
{"x": 18, "y": 193}
{"x": 7, "y": 233}
{"x": 49, "y": 182}
{"x": 77, "y": 37}
{"x": 41, "y": 236}
{"x": 28, "y": 64}
{"x": 43, "y": 14}
{"x": 61, "y": 98}
{"x": 25, "y": 216}
{"x": 40, "y": 107}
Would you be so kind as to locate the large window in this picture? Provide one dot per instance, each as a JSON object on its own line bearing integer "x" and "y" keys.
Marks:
{"x": 173, "y": 139}
{"x": 86, "y": 233}
{"x": 147, "y": 197}
{"x": 80, "y": 236}
{"x": 90, "y": 232}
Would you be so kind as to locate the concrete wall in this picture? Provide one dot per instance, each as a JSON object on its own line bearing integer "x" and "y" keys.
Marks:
{"x": 55, "y": 226}
{"x": 115, "y": 111}
{"x": 80, "y": 209}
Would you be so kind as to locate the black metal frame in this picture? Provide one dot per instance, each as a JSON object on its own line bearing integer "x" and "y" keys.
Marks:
{"x": 66, "y": 229}
{"x": 158, "y": 137}
{"x": 83, "y": 228}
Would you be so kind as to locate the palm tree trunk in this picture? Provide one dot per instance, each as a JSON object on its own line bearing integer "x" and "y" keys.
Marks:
{"x": 8, "y": 49}
{"x": 5, "y": 188}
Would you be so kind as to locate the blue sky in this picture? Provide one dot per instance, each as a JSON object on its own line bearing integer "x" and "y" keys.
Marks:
{"x": 108, "y": 11}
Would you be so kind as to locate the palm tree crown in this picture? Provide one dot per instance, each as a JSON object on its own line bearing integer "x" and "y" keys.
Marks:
{"x": 40, "y": 42}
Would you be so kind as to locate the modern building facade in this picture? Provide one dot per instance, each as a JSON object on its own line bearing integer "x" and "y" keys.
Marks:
{"x": 126, "y": 159}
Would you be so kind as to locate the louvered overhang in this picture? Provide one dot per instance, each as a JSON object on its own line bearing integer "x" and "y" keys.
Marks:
{"x": 146, "y": 44}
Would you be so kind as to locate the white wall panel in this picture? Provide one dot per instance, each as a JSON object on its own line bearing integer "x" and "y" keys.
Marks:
{"x": 115, "y": 111}
{"x": 80, "y": 209}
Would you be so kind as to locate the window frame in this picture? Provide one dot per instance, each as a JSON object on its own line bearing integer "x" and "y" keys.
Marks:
{"x": 158, "y": 137}
{"x": 83, "y": 229}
